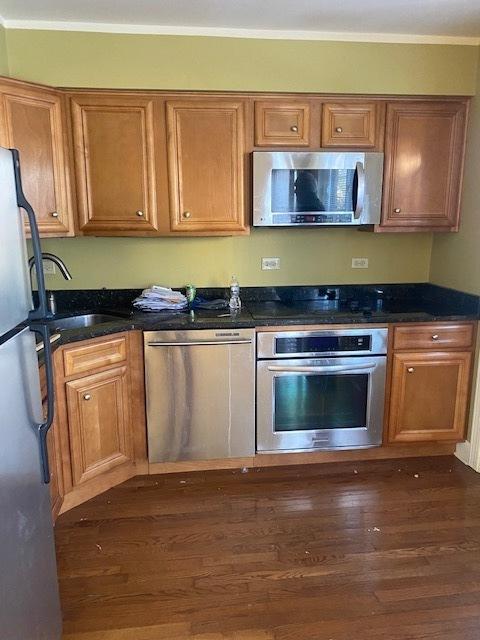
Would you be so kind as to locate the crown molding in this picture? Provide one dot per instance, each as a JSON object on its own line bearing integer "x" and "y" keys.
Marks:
{"x": 259, "y": 34}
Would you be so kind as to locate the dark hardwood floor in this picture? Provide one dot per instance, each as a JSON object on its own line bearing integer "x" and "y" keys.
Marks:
{"x": 384, "y": 550}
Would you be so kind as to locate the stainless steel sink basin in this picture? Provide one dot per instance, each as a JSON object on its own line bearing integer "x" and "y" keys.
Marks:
{"x": 84, "y": 320}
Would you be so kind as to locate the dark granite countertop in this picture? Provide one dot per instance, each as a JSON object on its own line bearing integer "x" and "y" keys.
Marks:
{"x": 279, "y": 306}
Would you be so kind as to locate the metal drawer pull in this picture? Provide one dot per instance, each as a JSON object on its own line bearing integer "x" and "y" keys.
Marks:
{"x": 323, "y": 369}
{"x": 87, "y": 396}
{"x": 54, "y": 214}
{"x": 197, "y": 344}
{"x": 435, "y": 336}
{"x": 186, "y": 215}
{"x": 410, "y": 369}
{"x": 339, "y": 130}
{"x": 294, "y": 128}
{"x": 139, "y": 213}
{"x": 397, "y": 210}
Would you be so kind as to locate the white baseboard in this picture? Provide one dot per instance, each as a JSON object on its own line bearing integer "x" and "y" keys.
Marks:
{"x": 463, "y": 452}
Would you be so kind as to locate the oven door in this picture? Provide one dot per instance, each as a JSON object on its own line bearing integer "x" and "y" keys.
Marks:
{"x": 326, "y": 403}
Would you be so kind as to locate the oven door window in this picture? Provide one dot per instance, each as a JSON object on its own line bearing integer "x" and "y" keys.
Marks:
{"x": 313, "y": 402}
{"x": 311, "y": 190}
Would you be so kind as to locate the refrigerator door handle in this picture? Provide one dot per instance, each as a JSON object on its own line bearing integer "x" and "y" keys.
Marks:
{"x": 43, "y": 427}
{"x": 41, "y": 311}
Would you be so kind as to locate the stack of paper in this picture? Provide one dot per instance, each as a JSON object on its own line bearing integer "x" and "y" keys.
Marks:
{"x": 159, "y": 298}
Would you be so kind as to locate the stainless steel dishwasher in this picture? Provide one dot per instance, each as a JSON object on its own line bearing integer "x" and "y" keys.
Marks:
{"x": 200, "y": 389}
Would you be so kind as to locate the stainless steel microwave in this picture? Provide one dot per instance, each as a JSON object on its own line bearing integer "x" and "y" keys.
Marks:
{"x": 316, "y": 188}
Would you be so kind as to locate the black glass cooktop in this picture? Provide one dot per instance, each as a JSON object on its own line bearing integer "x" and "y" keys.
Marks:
{"x": 313, "y": 308}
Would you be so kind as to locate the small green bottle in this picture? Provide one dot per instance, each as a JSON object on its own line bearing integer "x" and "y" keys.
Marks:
{"x": 190, "y": 292}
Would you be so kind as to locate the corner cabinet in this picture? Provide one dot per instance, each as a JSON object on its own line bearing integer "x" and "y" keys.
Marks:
{"x": 430, "y": 371}
{"x": 206, "y": 161}
{"x": 113, "y": 142}
{"x": 32, "y": 120}
{"x": 424, "y": 151}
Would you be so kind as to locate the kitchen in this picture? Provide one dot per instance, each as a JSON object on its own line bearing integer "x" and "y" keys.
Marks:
{"x": 194, "y": 451}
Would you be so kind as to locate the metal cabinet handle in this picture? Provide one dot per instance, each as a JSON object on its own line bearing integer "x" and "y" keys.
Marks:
{"x": 435, "y": 336}
{"x": 339, "y": 129}
{"x": 397, "y": 210}
{"x": 360, "y": 191}
{"x": 410, "y": 369}
{"x": 87, "y": 396}
{"x": 186, "y": 215}
{"x": 139, "y": 213}
{"x": 294, "y": 128}
{"x": 55, "y": 214}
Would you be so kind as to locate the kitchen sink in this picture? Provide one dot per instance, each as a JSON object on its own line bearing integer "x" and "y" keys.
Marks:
{"x": 83, "y": 320}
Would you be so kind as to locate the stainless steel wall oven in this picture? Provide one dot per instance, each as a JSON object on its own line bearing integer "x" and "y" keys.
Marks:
{"x": 320, "y": 389}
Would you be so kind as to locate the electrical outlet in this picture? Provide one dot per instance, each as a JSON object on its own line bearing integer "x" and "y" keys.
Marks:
{"x": 49, "y": 268}
{"x": 269, "y": 264}
{"x": 359, "y": 263}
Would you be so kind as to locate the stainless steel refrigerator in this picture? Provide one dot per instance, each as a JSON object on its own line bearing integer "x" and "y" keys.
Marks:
{"x": 29, "y": 602}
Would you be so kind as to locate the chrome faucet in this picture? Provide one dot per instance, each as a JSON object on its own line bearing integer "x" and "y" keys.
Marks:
{"x": 52, "y": 305}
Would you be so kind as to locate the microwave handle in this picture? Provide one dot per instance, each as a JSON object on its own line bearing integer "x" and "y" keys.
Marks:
{"x": 359, "y": 200}
{"x": 322, "y": 369}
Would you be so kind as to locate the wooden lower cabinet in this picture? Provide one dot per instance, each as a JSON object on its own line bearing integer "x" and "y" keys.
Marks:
{"x": 101, "y": 416}
{"x": 429, "y": 396}
{"x": 99, "y": 424}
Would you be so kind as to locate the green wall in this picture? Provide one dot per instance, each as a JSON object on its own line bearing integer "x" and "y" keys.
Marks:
{"x": 3, "y": 53}
{"x": 179, "y": 62}
{"x": 456, "y": 258}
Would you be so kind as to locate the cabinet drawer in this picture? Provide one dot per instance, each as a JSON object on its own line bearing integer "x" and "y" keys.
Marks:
{"x": 282, "y": 123}
{"x": 82, "y": 359}
{"x": 433, "y": 336}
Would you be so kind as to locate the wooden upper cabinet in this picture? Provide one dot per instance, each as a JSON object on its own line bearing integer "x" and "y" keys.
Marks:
{"x": 429, "y": 396}
{"x": 424, "y": 149}
{"x": 352, "y": 124}
{"x": 206, "y": 156}
{"x": 114, "y": 164}
{"x": 33, "y": 122}
{"x": 279, "y": 123}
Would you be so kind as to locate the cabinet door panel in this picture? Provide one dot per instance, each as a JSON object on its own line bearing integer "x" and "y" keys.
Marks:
{"x": 424, "y": 148}
{"x": 98, "y": 417}
{"x": 350, "y": 124}
{"x": 114, "y": 160}
{"x": 205, "y": 165}
{"x": 282, "y": 124}
{"x": 33, "y": 124}
{"x": 429, "y": 396}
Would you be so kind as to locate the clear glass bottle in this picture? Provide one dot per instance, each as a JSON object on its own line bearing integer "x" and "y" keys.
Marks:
{"x": 235, "y": 303}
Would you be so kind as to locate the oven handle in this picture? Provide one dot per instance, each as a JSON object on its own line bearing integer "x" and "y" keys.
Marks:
{"x": 324, "y": 369}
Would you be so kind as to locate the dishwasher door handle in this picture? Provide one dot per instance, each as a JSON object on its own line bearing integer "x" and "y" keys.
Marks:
{"x": 323, "y": 369}
{"x": 208, "y": 343}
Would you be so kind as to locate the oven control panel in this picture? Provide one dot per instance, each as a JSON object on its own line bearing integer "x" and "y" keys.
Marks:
{"x": 319, "y": 343}
{"x": 323, "y": 344}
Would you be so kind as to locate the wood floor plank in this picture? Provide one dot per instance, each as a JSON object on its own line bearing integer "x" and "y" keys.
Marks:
{"x": 378, "y": 550}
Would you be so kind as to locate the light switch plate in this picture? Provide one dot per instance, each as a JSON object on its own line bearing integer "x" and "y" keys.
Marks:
{"x": 359, "y": 263}
{"x": 268, "y": 264}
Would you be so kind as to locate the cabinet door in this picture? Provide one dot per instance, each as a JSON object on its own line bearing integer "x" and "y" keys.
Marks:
{"x": 206, "y": 150}
{"x": 429, "y": 395}
{"x": 350, "y": 124}
{"x": 99, "y": 423}
{"x": 282, "y": 124}
{"x": 424, "y": 149}
{"x": 33, "y": 123}
{"x": 114, "y": 164}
